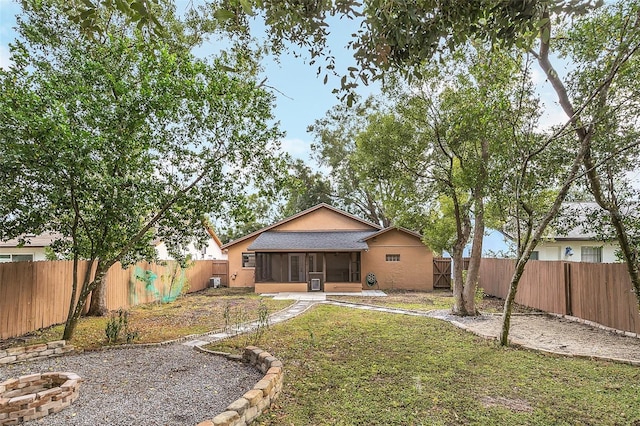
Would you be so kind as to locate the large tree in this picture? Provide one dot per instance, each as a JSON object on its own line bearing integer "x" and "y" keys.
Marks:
{"x": 116, "y": 141}
{"x": 465, "y": 113}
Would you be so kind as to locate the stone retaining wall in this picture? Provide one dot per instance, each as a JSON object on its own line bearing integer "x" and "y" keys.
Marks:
{"x": 36, "y": 395}
{"x": 34, "y": 352}
{"x": 246, "y": 409}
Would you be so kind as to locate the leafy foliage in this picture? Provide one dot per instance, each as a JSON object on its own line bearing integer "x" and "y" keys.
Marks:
{"x": 116, "y": 143}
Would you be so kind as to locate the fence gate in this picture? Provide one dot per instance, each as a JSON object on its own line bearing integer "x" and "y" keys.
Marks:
{"x": 221, "y": 270}
{"x": 441, "y": 272}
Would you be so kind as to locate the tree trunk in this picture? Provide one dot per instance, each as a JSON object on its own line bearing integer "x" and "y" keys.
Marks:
{"x": 508, "y": 303}
{"x": 88, "y": 286}
{"x": 98, "y": 305}
{"x": 459, "y": 307}
{"x": 473, "y": 271}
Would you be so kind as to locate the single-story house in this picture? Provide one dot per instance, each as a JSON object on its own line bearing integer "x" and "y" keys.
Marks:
{"x": 326, "y": 249}
{"x": 211, "y": 251}
{"x": 33, "y": 248}
{"x": 579, "y": 243}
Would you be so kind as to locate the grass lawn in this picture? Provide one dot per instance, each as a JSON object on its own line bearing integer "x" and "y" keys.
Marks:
{"x": 422, "y": 301}
{"x": 346, "y": 366}
{"x": 195, "y": 313}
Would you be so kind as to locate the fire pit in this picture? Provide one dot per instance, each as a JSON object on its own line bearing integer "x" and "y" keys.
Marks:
{"x": 36, "y": 395}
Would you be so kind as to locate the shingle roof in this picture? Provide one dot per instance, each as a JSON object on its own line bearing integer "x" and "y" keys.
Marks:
{"x": 302, "y": 213}
{"x": 42, "y": 240}
{"x": 311, "y": 241}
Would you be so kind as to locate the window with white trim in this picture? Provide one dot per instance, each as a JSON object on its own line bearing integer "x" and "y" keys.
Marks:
{"x": 591, "y": 254}
{"x": 15, "y": 257}
{"x": 248, "y": 260}
{"x": 393, "y": 258}
{"x": 535, "y": 255}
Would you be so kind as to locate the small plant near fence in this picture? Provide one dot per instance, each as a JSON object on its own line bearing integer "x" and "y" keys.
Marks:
{"x": 118, "y": 329}
{"x": 236, "y": 323}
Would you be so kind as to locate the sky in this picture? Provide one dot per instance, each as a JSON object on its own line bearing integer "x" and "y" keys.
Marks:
{"x": 301, "y": 95}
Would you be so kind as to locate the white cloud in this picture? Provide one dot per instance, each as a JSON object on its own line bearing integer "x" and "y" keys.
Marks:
{"x": 297, "y": 148}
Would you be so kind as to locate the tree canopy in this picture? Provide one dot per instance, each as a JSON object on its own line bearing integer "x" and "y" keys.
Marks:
{"x": 116, "y": 142}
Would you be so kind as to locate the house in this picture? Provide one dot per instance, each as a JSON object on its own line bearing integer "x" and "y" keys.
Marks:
{"x": 326, "y": 249}
{"x": 212, "y": 250}
{"x": 579, "y": 243}
{"x": 32, "y": 249}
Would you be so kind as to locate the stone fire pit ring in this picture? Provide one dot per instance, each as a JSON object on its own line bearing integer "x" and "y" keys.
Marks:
{"x": 36, "y": 395}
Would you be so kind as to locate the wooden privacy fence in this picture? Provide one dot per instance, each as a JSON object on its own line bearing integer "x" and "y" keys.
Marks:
{"x": 35, "y": 295}
{"x": 598, "y": 292}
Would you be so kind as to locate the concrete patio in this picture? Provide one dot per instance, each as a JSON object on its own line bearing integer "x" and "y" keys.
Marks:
{"x": 320, "y": 296}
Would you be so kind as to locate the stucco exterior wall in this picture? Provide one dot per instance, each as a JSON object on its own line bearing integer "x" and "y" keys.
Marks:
{"x": 555, "y": 250}
{"x": 239, "y": 276}
{"x": 342, "y": 287}
{"x": 323, "y": 220}
{"x": 280, "y": 287}
{"x": 414, "y": 271}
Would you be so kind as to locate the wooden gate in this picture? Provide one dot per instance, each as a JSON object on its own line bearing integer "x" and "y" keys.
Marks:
{"x": 221, "y": 270}
{"x": 441, "y": 272}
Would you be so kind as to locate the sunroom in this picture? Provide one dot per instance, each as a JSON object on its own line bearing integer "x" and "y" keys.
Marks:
{"x": 309, "y": 261}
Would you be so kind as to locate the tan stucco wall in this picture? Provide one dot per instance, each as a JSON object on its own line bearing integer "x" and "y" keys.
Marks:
{"x": 322, "y": 220}
{"x": 280, "y": 287}
{"x": 244, "y": 277}
{"x": 342, "y": 287}
{"x": 414, "y": 271}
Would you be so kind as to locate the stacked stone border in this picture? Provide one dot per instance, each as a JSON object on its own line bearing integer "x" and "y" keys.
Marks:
{"x": 34, "y": 352}
{"x": 36, "y": 395}
{"x": 246, "y": 409}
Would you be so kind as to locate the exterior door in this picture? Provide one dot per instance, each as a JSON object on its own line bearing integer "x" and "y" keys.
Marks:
{"x": 296, "y": 268}
{"x": 315, "y": 272}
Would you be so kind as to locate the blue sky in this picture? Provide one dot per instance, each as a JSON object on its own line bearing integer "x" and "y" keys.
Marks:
{"x": 301, "y": 95}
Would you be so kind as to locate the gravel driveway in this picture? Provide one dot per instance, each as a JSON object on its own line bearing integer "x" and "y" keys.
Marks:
{"x": 162, "y": 385}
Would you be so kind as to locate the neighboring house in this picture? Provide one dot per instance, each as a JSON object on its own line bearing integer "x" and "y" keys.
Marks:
{"x": 327, "y": 249}
{"x": 579, "y": 244}
{"x": 212, "y": 250}
{"x": 33, "y": 248}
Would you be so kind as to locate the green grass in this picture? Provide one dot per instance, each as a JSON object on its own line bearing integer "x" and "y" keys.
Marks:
{"x": 346, "y": 367}
{"x": 195, "y": 313}
{"x": 414, "y": 300}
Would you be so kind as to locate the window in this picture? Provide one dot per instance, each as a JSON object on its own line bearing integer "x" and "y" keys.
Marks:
{"x": 248, "y": 260}
{"x": 393, "y": 258}
{"x": 591, "y": 254}
{"x": 535, "y": 255}
{"x": 15, "y": 257}
{"x": 22, "y": 257}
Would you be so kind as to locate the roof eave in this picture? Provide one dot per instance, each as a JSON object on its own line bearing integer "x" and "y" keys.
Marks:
{"x": 297, "y": 215}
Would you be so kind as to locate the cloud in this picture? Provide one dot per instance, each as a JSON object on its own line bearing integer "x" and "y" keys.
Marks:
{"x": 297, "y": 148}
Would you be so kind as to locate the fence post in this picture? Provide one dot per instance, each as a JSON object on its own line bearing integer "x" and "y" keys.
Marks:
{"x": 567, "y": 288}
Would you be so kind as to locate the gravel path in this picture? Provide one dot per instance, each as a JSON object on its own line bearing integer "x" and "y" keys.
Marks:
{"x": 162, "y": 385}
{"x": 554, "y": 334}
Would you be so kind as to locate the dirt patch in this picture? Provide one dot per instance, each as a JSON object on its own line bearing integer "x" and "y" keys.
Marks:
{"x": 548, "y": 333}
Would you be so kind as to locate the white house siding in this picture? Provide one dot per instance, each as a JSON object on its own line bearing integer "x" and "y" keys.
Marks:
{"x": 556, "y": 250}
{"x": 212, "y": 252}
{"x": 37, "y": 252}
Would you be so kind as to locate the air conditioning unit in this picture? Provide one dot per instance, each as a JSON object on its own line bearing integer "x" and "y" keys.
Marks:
{"x": 315, "y": 284}
{"x": 214, "y": 282}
